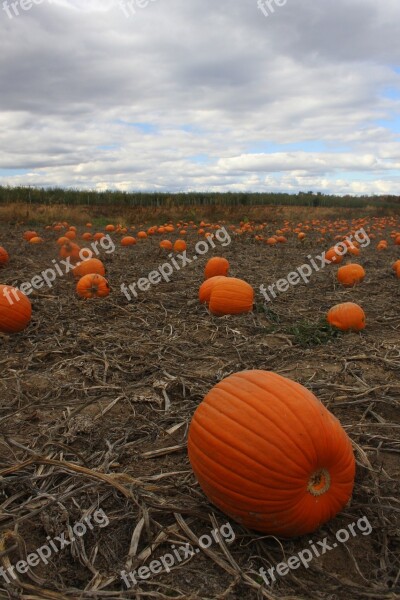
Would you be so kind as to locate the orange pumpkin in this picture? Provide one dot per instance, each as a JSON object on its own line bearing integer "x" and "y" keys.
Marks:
{"x": 268, "y": 453}
{"x": 71, "y": 234}
{"x": 180, "y": 246}
{"x": 71, "y": 250}
{"x": 87, "y": 236}
{"x": 206, "y": 288}
{"x": 333, "y": 256}
{"x": 166, "y": 245}
{"x": 231, "y": 296}
{"x": 128, "y": 241}
{"x": 142, "y": 235}
{"x": 4, "y": 257}
{"x": 15, "y": 310}
{"x": 347, "y": 316}
{"x": 98, "y": 236}
{"x": 28, "y": 235}
{"x": 110, "y": 227}
{"x": 92, "y": 286}
{"x": 216, "y": 266}
{"x": 350, "y": 274}
{"x": 36, "y": 240}
{"x": 88, "y": 267}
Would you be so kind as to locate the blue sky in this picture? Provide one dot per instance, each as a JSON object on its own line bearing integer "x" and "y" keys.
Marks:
{"x": 202, "y": 95}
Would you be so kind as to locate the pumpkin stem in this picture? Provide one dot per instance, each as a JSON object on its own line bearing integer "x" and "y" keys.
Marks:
{"x": 319, "y": 482}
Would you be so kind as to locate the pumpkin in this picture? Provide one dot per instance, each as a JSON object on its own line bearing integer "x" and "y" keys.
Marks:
{"x": 166, "y": 245}
{"x": 71, "y": 234}
{"x": 231, "y": 296}
{"x": 4, "y": 257}
{"x": 142, "y": 235}
{"x": 350, "y": 274}
{"x": 92, "y": 286}
{"x": 36, "y": 240}
{"x": 15, "y": 310}
{"x": 86, "y": 236}
{"x": 88, "y": 267}
{"x": 271, "y": 241}
{"x": 216, "y": 266}
{"x": 180, "y": 246}
{"x": 128, "y": 241}
{"x": 110, "y": 227}
{"x": 207, "y": 286}
{"x": 333, "y": 256}
{"x": 62, "y": 240}
{"x": 396, "y": 266}
{"x": 71, "y": 250}
{"x": 98, "y": 236}
{"x": 28, "y": 235}
{"x": 301, "y": 236}
{"x": 269, "y": 454}
{"x": 347, "y": 316}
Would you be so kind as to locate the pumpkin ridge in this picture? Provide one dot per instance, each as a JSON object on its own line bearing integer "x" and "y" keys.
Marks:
{"x": 265, "y": 440}
{"x": 212, "y": 434}
{"x": 313, "y": 459}
{"x": 240, "y": 475}
{"x": 314, "y": 404}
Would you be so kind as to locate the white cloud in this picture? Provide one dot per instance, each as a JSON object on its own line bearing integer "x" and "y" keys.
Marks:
{"x": 202, "y": 95}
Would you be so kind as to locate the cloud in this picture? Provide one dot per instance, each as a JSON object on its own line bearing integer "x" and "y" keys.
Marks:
{"x": 201, "y": 95}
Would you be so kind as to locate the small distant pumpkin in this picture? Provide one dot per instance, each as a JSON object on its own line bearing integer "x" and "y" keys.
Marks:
{"x": 231, "y": 296}
{"x": 333, "y": 256}
{"x": 28, "y": 235}
{"x": 128, "y": 241}
{"x": 142, "y": 235}
{"x": 216, "y": 266}
{"x": 15, "y": 310}
{"x": 88, "y": 267}
{"x": 92, "y": 286}
{"x": 98, "y": 236}
{"x": 180, "y": 246}
{"x": 166, "y": 245}
{"x": 36, "y": 240}
{"x": 110, "y": 227}
{"x": 347, "y": 316}
{"x": 350, "y": 275}
{"x": 70, "y": 250}
{"x": 271, "y": 241}
{"x": 86, "y": 236}
{"x": 4, "y": 257}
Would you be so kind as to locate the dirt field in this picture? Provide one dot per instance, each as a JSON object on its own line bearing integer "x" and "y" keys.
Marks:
{"x": 95, "y": 402}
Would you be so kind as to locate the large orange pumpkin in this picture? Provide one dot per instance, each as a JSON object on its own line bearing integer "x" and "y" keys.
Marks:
{"x": 268, "y": 453}
{"x": 216, "y": 266}
{"x": 4, "y": 257}
{"x": 231, "y": 296}
{"x": 88, "y": 267}
{"x": 92, "y": 286}
{"x": 206, "y": 288}
{"x": 350, "y": 274}
{"x": 15, "y": 310}
{"x": 347, "y": 316}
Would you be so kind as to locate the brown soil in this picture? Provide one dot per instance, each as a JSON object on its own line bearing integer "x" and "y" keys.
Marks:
{"x": 95, "y": 402}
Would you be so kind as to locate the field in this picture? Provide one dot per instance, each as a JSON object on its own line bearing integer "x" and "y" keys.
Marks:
{"x": 96, "y": 397}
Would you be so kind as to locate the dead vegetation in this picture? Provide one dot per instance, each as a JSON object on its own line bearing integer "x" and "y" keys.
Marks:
{"x": 95, "y": 402}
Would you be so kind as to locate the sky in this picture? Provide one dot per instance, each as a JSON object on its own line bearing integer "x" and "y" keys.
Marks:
{"x": 206, "y": 95}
